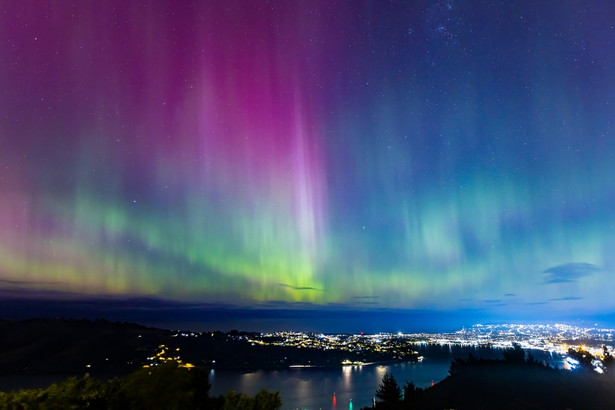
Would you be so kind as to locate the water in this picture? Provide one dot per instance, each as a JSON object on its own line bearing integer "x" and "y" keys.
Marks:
{"x": 300, "y": 388}
{"x": 314, "y": 388}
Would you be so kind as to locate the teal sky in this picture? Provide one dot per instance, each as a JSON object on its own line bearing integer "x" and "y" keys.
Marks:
{"x": 405, "y": 156}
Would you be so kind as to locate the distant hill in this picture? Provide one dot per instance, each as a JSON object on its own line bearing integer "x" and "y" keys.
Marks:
{"x": 74, "y": 346}
{"x": 70, "y": 346}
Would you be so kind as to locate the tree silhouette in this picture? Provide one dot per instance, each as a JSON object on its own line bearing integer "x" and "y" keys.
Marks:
{"x": 516, "y": 354}
{"x": 263, "y": 400}
{"x": 583, "y": 356}
{"x": 167, "y": 386}
{"x": 607, "y": 360}
{"x": 410, "y": 392}
{"x": 388, "y": 393}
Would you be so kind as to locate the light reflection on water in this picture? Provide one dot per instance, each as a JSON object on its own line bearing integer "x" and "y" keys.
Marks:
{"x": 314, "y": 388}
{"x": 344, "y": 387}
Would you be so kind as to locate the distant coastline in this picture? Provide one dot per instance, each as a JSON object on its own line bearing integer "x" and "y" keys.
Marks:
{"x": 80, "y": 346}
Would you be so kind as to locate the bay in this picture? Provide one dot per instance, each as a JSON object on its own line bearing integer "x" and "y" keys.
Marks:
{"x": 353, "y": 387}
{"x": 315, "y": 388}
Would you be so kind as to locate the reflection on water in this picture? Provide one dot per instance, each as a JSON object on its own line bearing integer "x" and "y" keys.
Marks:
{"x": 348, "y": 386}
{"x": 347, "y": 371}
{"x": 381, "y": 370}
{"x": 327, "y": 388}
{"x": 317, "y": 388}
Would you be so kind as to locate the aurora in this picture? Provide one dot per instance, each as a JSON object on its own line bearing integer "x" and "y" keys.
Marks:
{"x": 411, "y": 155}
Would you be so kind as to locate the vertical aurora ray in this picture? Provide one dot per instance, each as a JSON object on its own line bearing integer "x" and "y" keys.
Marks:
{"x": 438, "y": 155}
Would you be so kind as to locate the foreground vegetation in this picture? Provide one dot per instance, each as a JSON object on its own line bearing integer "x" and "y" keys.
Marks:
{"x": 512, "y": 383}
{"x": 167, "y": 386}
{"x": 516, "y": 382}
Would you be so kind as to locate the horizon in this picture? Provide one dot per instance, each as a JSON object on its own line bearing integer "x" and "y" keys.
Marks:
{"x": 171, "y": 315}
{"x": 392, "y": 164}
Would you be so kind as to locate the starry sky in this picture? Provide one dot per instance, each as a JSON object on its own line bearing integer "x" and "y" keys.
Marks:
{"x": 432, "y": 156}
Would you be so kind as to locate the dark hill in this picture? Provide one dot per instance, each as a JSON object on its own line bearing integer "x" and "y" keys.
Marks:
{"x": 490, "y": 384}
{"x": 68, "y": 346}
{"x": 74, "y": 346}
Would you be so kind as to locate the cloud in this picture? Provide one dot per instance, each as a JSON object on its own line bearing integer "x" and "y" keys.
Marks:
{"x": 28, "y": 283}
{"x": 367, "y": 300}
{"x": 569, "y": 272}
{"x": 535, "y": 303}
{"x": 13, "y": 282}
{"x": 300, "y": 287}
{"x": 510, "y": 294}
{"x": 492, "y": 300}
{"x": 567, "y": 298}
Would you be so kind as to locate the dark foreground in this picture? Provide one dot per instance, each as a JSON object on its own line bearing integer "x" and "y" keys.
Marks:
{"x": 172, "y": 382}
{"x": 513, "y": 383}
{"x": 472, "y": 384}
{"x": 165, "y": 386}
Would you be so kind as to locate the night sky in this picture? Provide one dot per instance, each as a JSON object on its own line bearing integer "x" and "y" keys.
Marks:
{"x": 392, "y": 159}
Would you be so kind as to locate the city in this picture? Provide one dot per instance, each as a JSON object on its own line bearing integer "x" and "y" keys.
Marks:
{"x": 308, "y": 368}
{"x": 556, "y": 339}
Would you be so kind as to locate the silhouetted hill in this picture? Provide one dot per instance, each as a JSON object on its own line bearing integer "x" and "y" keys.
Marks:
{"x": 69, "y": 345}
{"x": 501, "y": 384}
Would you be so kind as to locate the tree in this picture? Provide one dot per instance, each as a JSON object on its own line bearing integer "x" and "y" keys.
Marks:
{"x": 167, "y": 386}
{"x": 516, "y": 354}
{"x": 265, "y": 400}
{"x": 583, "y": 356}
{"x": 410, "y": 391}
{"x": 72, "y": 393}
{"x": 234, "y": 400}
{"x": 388, "y": 393}
{"x": 607, "y": 360}
{"x": 456, "y": 365}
